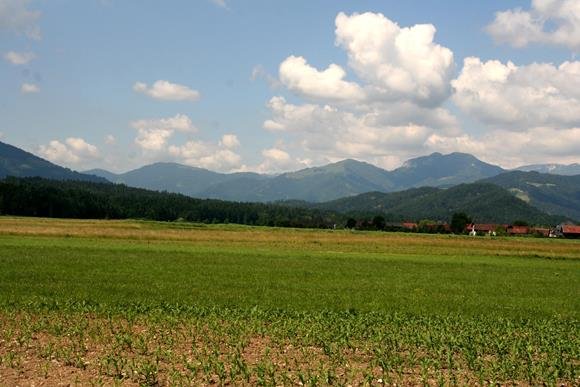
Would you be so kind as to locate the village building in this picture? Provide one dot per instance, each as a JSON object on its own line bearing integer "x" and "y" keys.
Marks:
{"x": 485, "y": 228}
{"x": 409, "y": 225}
{"x": 545, "y": 232}
{"x": 568, "y": 231}
{"x": 518, "y": 230}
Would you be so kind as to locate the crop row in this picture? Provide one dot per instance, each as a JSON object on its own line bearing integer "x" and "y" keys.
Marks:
{"x": 268, "y": 347}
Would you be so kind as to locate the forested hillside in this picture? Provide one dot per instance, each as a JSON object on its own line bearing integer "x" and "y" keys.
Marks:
{"x": 483, "y": 202}
{"x": 554, "y": 194}
{"x": 85, "y": 200}
{"x": 16, "y": 162}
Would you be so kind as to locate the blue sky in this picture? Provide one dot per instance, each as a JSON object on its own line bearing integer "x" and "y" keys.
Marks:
{"x": 243, "y": 85}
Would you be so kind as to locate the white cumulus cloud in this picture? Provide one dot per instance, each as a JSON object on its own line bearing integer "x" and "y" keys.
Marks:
{"x": 547, "y": 21}
{"x": 29, "y": 88}
{"x": 230, "y": 141}
{"x": 73, "y": 151}
{"x": 511, "y": 149}
{"x": 215, "y": 157}
{"x": 153, "y": 134}
{"x": 164, "y": 90}
{"x": 397, "y": 62}
{"x": 326, "y": 133}
{"x": 276, "y": 160}
{"x": 298, "y": 76}
{"x": 384, "y": 112}
{"x": 520, "y": 97}
{"x": 15, "y": 16}
{"x": 19, "y": 58}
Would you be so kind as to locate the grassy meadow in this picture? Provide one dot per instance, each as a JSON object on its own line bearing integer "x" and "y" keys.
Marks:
{"x": 147, "y": 303}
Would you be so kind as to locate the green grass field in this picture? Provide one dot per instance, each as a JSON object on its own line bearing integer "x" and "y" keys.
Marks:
{"x": 176, "y": 303}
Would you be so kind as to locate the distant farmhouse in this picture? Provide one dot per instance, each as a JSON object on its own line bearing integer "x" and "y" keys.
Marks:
{"x": 562, "y": 231}
{"x": 473, "y": 229}
{"x": 567, "y": 231}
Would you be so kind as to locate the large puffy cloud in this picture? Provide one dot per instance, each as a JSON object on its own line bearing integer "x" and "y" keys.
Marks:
{"x": 505, "y": 95}
{"x": 326, "y": 133}
{"x": 15, "y": 16}
{"x": 384, "y": 115}
{"x": 531, "y": 112}
{"x": 395, "y": 111}
{"x": 19, "y": 58}
{"x": 399, "y": 63}
{"x": 297, "y": 75}
{"x": 547, "y": 21}
{"x": 154, "y": 133}
{"x": 512, "y": 149}
{"x": 395, "y": 64}
{"x": 164, "y": 90}
{"x": 73, "y": 151}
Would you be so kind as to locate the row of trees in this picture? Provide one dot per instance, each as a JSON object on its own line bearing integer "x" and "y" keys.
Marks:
{"x": 85, "y": 200}
{"x": 88, "y": 200}
{"x": 378, "y": 223}
{"x": 457, "y": 225}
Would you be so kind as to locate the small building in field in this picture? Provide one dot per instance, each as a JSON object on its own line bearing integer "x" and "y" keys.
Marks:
{"x": 545, "y": 232}
{"x": 568, "y": 230}
{"x": 486, "y": 228}
{"x": 518, "y": 230}
{"x": 409, "y": 225}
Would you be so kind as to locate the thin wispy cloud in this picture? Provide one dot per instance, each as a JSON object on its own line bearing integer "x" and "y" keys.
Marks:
{"x": 221, "y": 3}
{"x": 17, "y": 17}
{"x": 29, "y": 88}
{"x": 19, "y": 58}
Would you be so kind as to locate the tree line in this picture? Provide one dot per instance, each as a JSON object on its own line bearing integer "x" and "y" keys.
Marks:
{"x": 39, "y": 197}
{"x": 86, "y": 200}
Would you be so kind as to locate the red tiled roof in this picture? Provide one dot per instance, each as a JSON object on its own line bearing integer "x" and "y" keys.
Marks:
{"x": 409, "y": 225}
{"x": 570, "y": 229}
{"x": 540, "y": 230}
{"x": 518, "y": 230}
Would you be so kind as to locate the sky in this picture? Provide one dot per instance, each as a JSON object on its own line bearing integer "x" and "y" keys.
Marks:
{"x": 278, "y": 85}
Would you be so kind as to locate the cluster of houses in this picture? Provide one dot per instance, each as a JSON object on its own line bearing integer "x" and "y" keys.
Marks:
{"x": 473, "y": 229}
{"x": 560, "y": 231}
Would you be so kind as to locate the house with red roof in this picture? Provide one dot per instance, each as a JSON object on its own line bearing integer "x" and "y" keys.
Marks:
{"x": 568, "y": 230}
{"x": 518, "y": 230}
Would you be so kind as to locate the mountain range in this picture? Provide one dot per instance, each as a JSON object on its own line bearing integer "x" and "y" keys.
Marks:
{"x": 349, "y": 185}
{"x": 318, "y": 184}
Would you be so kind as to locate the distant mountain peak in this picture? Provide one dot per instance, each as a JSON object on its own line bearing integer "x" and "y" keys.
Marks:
{"x": 443, "y": 170}
{"x": 20, "y": 163}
